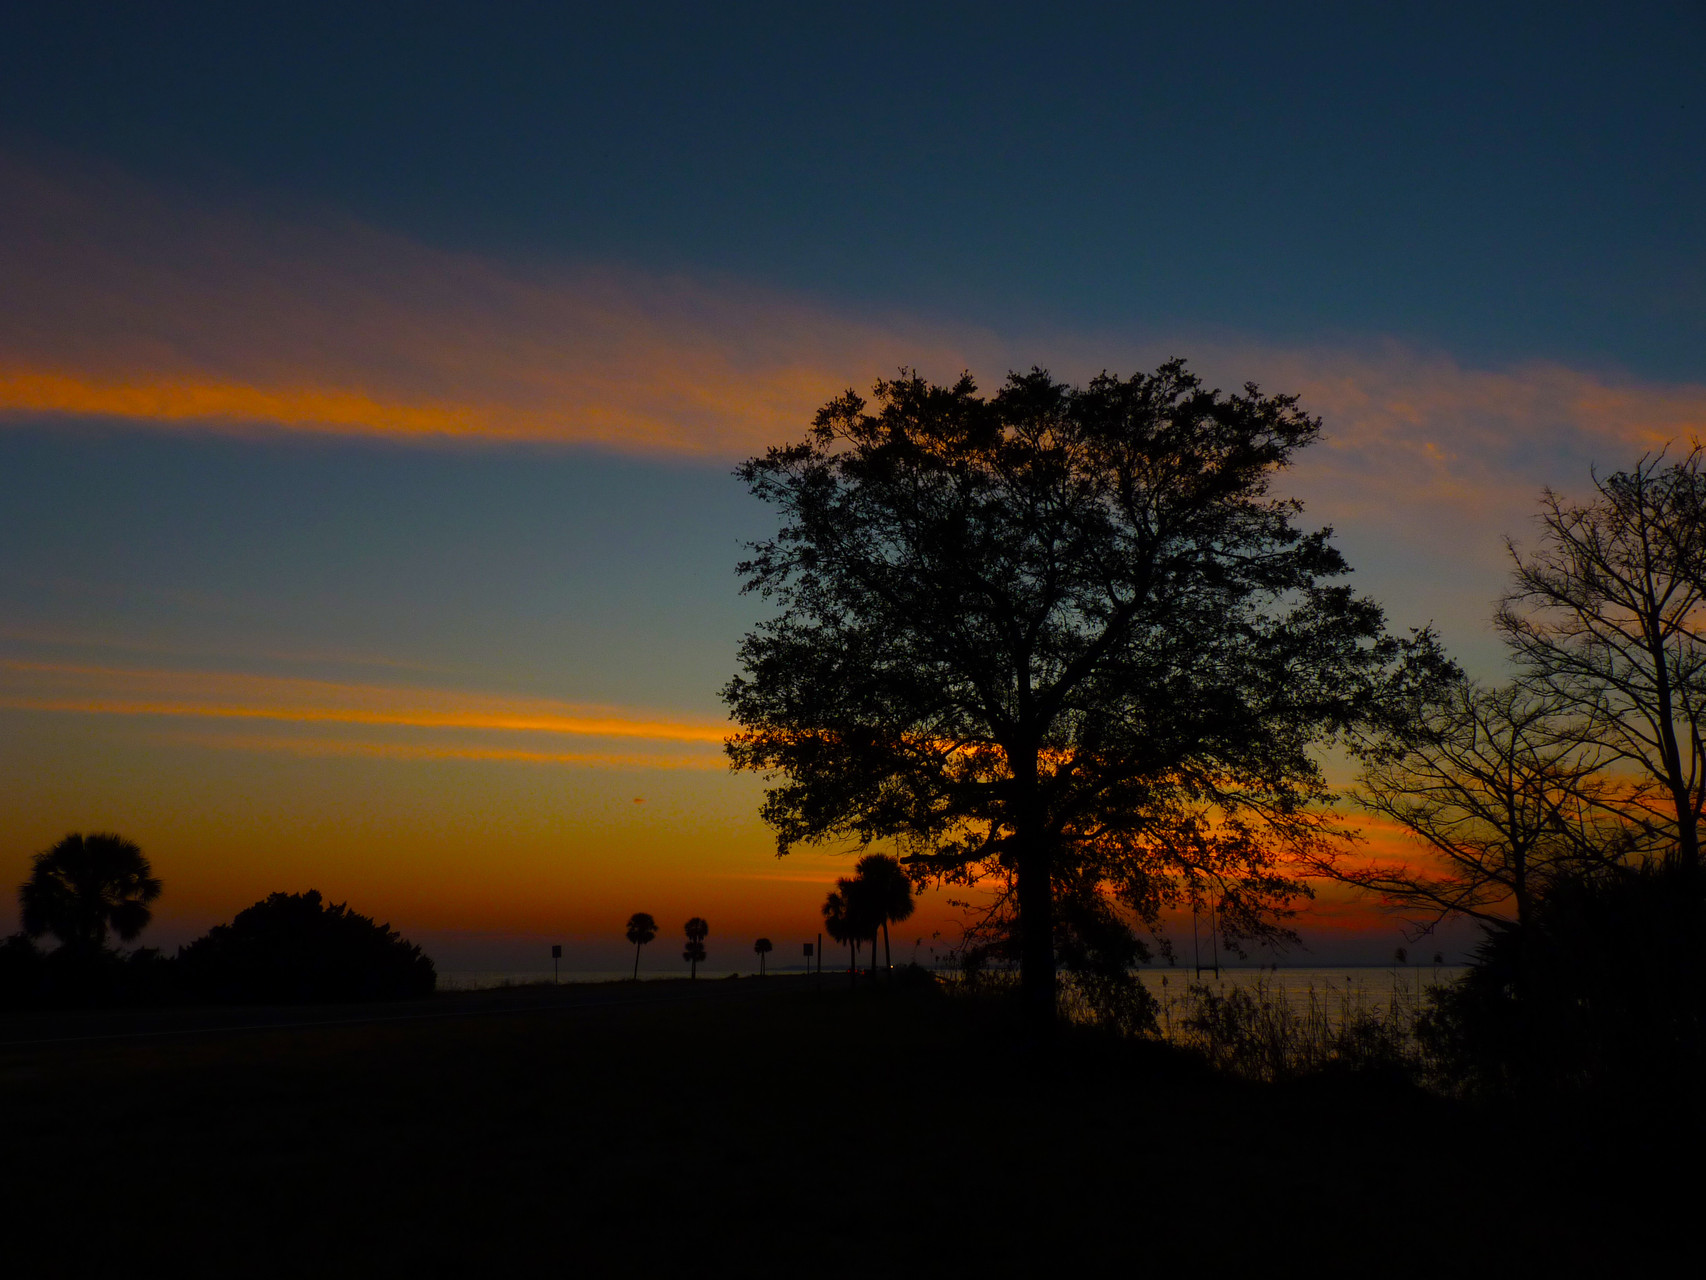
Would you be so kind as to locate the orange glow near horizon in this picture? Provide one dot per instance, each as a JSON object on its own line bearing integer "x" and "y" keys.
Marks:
{"x": 447, "y": 808}
{"x": 455, "y": 820}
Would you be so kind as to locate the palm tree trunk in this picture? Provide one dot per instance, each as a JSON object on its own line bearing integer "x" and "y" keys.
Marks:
{"x": 888, "y": 961}
{"x": 636, "y": 962}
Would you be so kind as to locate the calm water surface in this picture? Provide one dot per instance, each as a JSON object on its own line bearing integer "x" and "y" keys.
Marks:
{"x": 1366, "y": 985}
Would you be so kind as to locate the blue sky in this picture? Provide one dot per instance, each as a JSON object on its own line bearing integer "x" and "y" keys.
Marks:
{"x": 394, "y": 360}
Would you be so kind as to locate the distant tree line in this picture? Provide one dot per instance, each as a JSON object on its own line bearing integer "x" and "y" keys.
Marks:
{"x": 90, "y": 889}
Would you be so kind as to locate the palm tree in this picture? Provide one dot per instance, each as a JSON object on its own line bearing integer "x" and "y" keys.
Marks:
{"x": 838, "y": 920}
{"x": 85, "y": 886}
{"x": 763, "y": 948}
{"x": 697, "y": 931}
{"x": 641, "y": 930}
{"x": 889, "y": 893}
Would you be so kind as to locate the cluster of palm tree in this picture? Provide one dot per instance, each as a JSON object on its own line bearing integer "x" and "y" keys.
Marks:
{"x": 861, "y": 907}
{"x": 694, "y": 952}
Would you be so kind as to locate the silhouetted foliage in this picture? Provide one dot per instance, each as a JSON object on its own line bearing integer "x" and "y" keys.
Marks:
{"x": 85, "y": 887}
{"x": 762, "y": 948}
{"x": 697, "y": 931}
{"x": 887, "y": 889}
{"x": 1259, "y": 1033}
{"x": 22, "y": 971}
{"x": 293, "y": 947}
{"x": 80, "y": 977}
{"x": 850, "y": 915}
{"x": 641, "y": 930}
{"x": 1058, "y": 633}
{"x": 1604, "y": 991}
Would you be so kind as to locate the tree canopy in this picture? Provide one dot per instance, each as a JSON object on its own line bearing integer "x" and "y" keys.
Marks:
{"x": 85, "y": 887}
{"x": 1062, "y": 638}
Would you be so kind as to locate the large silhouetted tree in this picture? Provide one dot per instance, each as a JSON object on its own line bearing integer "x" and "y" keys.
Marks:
{"x": 86, "y": 887}
{"x": 1608, "y": 616}
{"x": 761, "y": 948}
{"x": 1053, "y": 636}
{"x": 641, "y": 930}
{"x": 697, "y": 931}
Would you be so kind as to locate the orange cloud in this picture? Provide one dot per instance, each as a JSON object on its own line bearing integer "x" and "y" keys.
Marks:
{"x": 129, "y": 303}
{"x": 312, "y": 747}
{"x": 215, "y": 695}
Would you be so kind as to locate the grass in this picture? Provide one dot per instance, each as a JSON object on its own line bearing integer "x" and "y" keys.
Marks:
{"x": 763, "y": 1126}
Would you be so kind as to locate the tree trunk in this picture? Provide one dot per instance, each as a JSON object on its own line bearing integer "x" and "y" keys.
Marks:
{"x": 1036, "y": 938}
{"x": 636, "y": 962}
{"x": 888, "y": 961}
{"x": 1036, "y": 895}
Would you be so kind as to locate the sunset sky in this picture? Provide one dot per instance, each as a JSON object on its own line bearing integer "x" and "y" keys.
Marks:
{"x": 371, "y": 380}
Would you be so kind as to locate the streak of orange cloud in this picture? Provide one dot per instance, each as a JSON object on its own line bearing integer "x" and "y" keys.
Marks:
{"x": 151, "y": 308}
{"x": 134, "y": 304}
{"x": 459, "y": 752}
{"x": 93, "y": 690}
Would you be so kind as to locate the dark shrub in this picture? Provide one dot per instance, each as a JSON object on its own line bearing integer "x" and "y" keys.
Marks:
{"x": 1604, "y": 992}
{"x": 292, "y": 947}
{"x": 81, "y": 977}
{"x": 23, "y": 972}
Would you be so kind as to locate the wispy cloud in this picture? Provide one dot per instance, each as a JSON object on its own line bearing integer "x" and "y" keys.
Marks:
{"x": 416, "y": 751}
{"x": 143, "y": 306}
{"x": 223, "y": 696}
{"x": 128, "y": 303}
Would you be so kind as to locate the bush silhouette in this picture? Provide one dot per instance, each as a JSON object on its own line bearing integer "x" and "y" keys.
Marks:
{"x": 292, "y": 947}
{"x": 1604, "y": 993}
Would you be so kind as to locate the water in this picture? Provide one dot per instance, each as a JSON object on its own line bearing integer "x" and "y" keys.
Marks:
{"x": 487, "y": 979}
{"x": 1370, "y": 986}
{"x": 1333, "y": 992}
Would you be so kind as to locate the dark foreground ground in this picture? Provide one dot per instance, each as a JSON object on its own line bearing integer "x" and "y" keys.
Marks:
{"x": 762, "y": 1127}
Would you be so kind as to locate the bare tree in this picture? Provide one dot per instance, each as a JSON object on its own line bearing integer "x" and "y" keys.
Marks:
{"x": 1608, "y": 616}
{"x": 1504, "y": 797}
